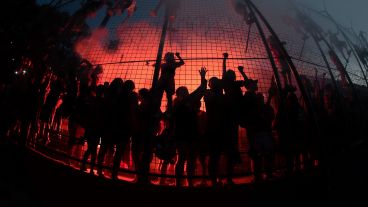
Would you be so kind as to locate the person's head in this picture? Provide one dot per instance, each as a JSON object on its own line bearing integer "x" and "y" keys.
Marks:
{"x": 214, "y": 84}
{"x": 116, "y": 86}
{"x": 169, "y": 57}
{"x": 230, "y": 75}
{"x": 129, "y": 85}
{"x": 143, "y": 94}
{"x": 182, "y": 92}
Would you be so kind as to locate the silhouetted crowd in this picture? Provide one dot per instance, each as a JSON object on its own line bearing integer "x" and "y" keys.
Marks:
{"x": 113, "y": 115}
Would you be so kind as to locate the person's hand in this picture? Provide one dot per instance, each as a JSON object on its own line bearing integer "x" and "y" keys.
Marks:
{"x": 241, "y": 69}
{"x": 226, "y": 55}
{"x": 177, "y": 54}
{"x": 203, "y": 72}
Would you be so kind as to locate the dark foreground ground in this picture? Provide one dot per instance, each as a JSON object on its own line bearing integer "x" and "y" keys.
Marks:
{"x": 27, "y": 179}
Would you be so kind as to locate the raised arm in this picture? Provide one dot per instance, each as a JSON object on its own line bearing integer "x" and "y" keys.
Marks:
{"x": 226, "y": 56}
{"x": 203, "y": 73}
{"x": 199, "y": 92}
{"x": 181, "y": 61}
{"x": 241, "y": 70}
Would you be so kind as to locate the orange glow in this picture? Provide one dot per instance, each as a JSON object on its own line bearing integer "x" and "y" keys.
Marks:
{"x": 201, "y": 37}
{"x": 135, "y": 56}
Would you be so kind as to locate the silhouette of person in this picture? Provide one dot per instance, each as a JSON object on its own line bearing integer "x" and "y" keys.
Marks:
{"x": 121, "y": 113}
{"x": 165, "y": 149}
{"x": 257, "y": 119}
{"x": 185, "y": 122}
{"x": 203, "y": 140}
{"x": 259, "y": 131}
{"x": 233, "y": 97}
{"x": 215, "y": 105}
{"x": 93, "y": 128}
{"x": 289, "y": 124}
{"x": 78, "y": 118}
{"x": 148, "y": 120}
{"x": 114, "y": 121}
{"x": 140, "y": 134}
{"x": 69, "y": 109}
{"x": 166, "y": 82}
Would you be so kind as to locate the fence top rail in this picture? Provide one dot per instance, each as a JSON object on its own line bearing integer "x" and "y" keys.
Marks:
{"x": 186, "y": 59}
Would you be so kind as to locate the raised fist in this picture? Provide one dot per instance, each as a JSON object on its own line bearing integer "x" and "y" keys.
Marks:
{"x": 203, "y": 72}
{"x": 226, "y": 55}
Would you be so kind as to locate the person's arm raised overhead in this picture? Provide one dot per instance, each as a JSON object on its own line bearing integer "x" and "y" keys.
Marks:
{"x": 181, "y": 61}
{"x": 203, "y": 73}
{"x": 241, "y": 70}
{"x": 226, "y": 56}
{"x": 200, "y": 91}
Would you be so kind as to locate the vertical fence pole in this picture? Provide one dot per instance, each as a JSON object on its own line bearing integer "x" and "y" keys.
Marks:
{"x": 160, "y": 52}
{"x": 268, "y": 50}
{"x": 322, "y": 54}
{"x": 344, "y": 71}
{"x": 286, "y": 55}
